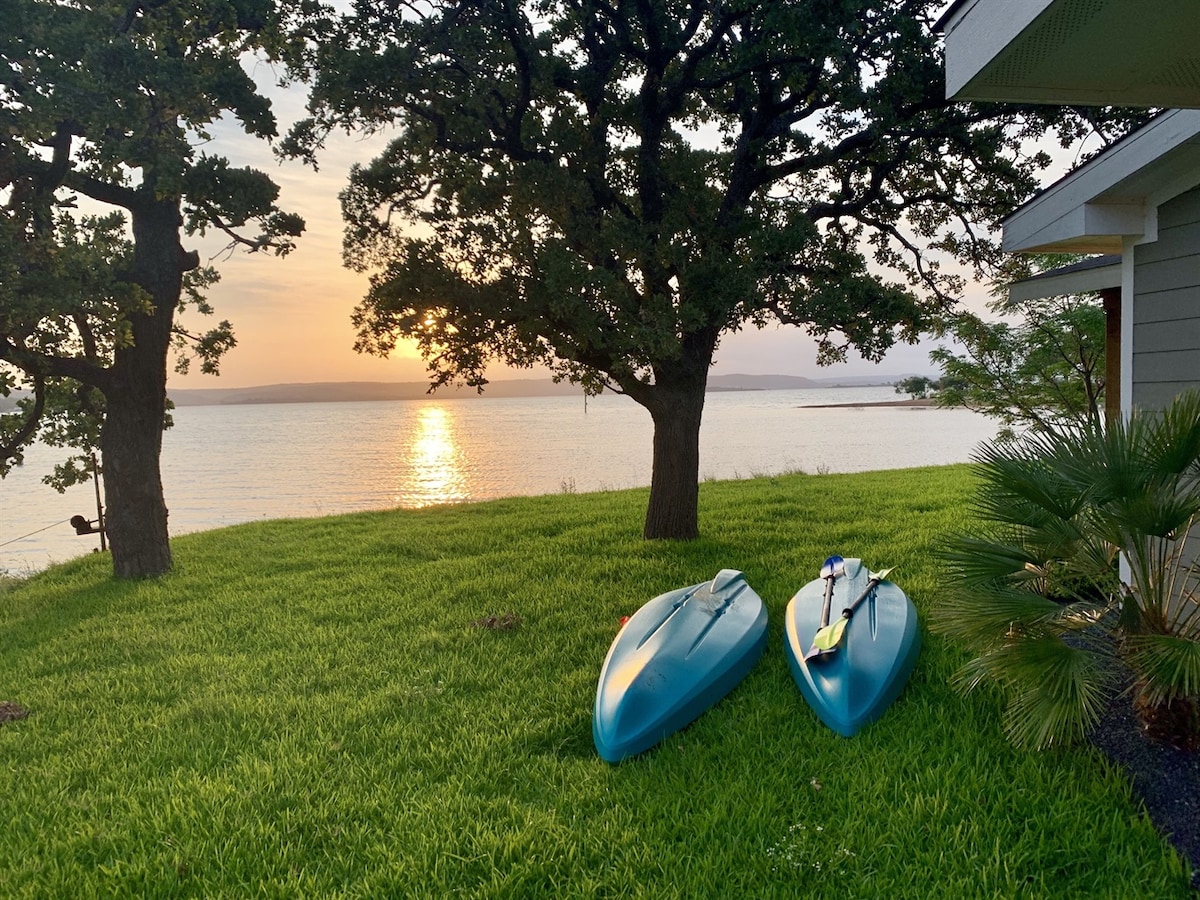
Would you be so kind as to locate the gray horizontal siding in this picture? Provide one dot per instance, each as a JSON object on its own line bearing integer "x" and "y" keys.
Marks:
{"x": 1170, "y": 365}
{"x": 1180, "y": 211}
{"x": 1166, "y": 306}
{"x": 1168, "y": 274}
{"x": 1166, "y": 337}
{"x": 1159, "y": 395}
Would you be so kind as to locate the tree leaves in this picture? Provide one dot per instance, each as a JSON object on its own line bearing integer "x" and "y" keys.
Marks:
{"x": 609, "y": 188}
{"x": 721, "y": 164}
{"x": 102, "y": 105}
{"x": 1041, "y": 367}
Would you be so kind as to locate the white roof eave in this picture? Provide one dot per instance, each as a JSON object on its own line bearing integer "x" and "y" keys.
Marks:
{"x": 1071, "y": 280}
{"x": 1114, "y": 196}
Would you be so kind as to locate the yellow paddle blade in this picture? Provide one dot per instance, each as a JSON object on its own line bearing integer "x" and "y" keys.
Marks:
{"x": 830, "y": 636}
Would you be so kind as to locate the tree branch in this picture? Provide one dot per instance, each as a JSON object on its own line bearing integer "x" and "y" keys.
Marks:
{"x": 45, "y": 365}
{"x": 10, "y": 448}
{"x": 102, "y": 191}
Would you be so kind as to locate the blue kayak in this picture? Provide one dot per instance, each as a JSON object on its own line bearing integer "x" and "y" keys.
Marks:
{"x": 852, "y": 684}
{"x": 673, "y": 659}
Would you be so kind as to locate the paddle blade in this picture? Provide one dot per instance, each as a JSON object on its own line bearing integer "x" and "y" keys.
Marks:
{"x": 834, "y": 566}
{"x": 830, "y": 636}
{"x": 880, "y": 576}
{"x": 826, "y": 639}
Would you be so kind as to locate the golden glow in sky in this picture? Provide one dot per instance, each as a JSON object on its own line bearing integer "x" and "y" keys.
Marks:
{"x": 291, "y": 315}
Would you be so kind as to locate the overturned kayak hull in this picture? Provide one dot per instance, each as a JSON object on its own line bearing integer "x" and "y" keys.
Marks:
{"x": 854, "y": 684}
{"x": 673, "y": 659}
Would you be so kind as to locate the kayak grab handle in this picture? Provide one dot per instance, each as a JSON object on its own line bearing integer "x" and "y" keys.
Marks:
{"x": 725, "y": 578}
{"x": 730, "y": 583}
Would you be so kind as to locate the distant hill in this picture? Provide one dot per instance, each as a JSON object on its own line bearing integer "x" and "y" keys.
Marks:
{"x": 341, "y": 391}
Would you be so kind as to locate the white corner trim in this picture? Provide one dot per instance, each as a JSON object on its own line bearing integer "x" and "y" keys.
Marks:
{"x": 1127, "y": 329}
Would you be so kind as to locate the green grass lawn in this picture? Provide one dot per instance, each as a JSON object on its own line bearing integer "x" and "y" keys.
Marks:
{"x": 304, "y": 708}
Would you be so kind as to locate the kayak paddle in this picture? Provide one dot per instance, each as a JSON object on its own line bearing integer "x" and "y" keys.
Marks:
{"x": 830, "y": 570}
{"x": 828, "y": 637}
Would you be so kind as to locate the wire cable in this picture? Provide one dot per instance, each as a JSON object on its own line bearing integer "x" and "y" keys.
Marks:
{"x": 32, "y": 533}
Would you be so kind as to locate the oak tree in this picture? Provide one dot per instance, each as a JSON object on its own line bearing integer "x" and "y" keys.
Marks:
{"x": 607, "y": 188}
{"x": 105, "y": 108}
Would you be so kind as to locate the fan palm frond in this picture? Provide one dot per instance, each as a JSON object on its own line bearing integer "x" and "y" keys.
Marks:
{"x": 982, "y": 560}
{"x": 985, "y": 616}
{"x": 1168, "y": 666}
{"x": 1057, "y": 509}
{"x": 1064, "y": 701}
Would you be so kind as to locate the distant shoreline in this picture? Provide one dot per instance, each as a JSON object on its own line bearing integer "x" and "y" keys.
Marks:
{"x": 927, "y": 403}
{"x": 352, "y": 391}
{"x": 358, "y": 391}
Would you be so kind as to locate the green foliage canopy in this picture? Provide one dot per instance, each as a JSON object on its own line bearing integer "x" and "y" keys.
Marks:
{"x": 104, "y": 107}
{"x": 1041, "y": 365}
{"x": 608, "y": 188}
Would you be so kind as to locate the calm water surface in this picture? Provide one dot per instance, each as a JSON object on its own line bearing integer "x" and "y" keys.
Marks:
{"x": 228, "y": 464}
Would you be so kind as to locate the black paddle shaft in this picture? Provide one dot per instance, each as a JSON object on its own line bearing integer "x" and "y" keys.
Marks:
{"x": 870, "y": 588}
{"x": 828, "y": 599}
{"x": 835, "y": 565}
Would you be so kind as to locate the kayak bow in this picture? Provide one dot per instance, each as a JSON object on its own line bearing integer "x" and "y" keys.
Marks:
{"x": 673, "y": 659}
{"x": 875, "y": 656}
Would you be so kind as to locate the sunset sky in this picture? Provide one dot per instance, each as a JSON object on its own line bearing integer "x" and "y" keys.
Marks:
{"x": 291, "y": 315}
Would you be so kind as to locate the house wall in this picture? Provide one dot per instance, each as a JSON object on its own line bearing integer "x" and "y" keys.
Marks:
{"x": 1166, "y": 306}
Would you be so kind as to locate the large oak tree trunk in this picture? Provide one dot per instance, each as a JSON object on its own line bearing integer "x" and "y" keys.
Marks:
{"x": 136, "y": 398}
{"x": 673, "y": 510}
{"x": 136, "y": 519}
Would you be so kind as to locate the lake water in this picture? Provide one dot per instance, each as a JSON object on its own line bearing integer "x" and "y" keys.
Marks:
{"x": 228, "y": 464}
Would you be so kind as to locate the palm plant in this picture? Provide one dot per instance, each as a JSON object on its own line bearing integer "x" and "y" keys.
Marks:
{"x": 1083, "y": 575}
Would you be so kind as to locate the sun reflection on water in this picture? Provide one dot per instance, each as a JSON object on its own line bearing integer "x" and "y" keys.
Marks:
{"x": 435, "y": 470}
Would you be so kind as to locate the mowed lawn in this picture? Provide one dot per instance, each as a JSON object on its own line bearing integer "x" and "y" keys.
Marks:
{"x": 398, "y": 704}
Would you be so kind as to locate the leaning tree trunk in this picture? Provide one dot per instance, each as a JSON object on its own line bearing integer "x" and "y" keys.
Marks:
{"x": 135, "y": 401}
{"x": 673, "y": 510}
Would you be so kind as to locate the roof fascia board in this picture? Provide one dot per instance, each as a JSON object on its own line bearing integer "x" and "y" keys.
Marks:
{"x": 1087, "y": 281}
{"x": 1104, "y": 198}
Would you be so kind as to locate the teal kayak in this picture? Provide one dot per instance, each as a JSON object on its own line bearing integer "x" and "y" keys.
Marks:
{"x": 673, "y": 659}
{"x": 852, "y": 684}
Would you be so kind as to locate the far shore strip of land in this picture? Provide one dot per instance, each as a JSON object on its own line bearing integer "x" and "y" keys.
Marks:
{"x": 919, "y": 403}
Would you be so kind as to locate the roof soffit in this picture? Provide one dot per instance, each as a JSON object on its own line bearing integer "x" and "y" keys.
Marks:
{"x": 1096, "y": 52}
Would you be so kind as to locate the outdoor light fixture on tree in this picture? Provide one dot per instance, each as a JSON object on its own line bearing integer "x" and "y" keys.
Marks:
{"x": 609, "y": 188}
